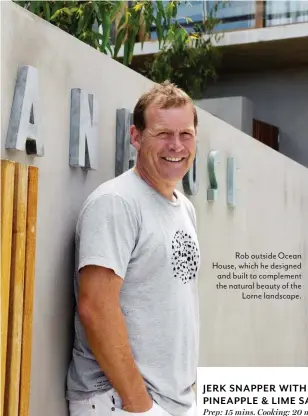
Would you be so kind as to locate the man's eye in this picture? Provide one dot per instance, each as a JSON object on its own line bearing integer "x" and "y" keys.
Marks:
{"x": 186, "y": 135}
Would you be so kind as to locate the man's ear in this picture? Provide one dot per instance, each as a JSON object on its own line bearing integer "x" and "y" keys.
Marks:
{"x": 135, "y": 137}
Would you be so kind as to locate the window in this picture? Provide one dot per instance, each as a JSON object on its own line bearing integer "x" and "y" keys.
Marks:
{"x": 232, "y": 14}
{"x": 194, "y": 10}
{"x": 283, "y": 12}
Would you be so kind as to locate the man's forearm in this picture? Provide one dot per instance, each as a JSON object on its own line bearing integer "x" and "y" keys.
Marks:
{"x": 107, "y": 336}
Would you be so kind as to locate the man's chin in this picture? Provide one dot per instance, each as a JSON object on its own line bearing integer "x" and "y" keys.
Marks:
{"x": 175, "y": 174}
{"x": 173, "y": 178}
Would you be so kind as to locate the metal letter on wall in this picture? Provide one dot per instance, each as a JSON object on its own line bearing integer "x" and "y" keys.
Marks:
{"x": 212, "y": 162}
{"x": 23, "y": 132}
{"x": 126, "y": 154}
{"x": 231, "y": 168}
{"x": 83, "y": 130}
{"x": 191, "y": 179}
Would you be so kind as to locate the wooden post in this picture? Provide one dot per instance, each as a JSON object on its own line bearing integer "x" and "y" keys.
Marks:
{"x": 7, "y": 199}
{"x": 16, "y": 292}
{"x": 28, "y": 292}
{"x": 260, "y": 14}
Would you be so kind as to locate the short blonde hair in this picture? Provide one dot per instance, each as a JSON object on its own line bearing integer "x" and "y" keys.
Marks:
{"x": 165, "y": 95}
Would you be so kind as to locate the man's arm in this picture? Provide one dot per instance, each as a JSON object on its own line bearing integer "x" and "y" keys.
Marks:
{"x": 104, "y": 325}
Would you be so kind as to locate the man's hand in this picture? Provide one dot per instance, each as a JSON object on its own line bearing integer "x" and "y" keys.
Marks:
{"x": 101, "y": 316}
{"x": 139, "y": 404}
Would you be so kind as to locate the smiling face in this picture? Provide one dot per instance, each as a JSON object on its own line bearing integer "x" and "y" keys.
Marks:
{"x": 167, "y": 146}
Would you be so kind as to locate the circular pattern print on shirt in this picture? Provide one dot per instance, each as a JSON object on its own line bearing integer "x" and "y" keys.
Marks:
{"x": 185, "y": 257}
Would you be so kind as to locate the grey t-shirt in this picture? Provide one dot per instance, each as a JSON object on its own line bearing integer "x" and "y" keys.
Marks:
{"x": 151, "y": 243}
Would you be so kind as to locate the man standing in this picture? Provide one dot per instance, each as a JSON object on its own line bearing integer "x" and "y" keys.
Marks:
{"x": 136, "y": 324}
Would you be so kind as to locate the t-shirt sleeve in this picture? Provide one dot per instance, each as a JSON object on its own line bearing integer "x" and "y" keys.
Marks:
{"x": 193, "y": 214}
{"x": 194, "y": 217}
{"x": 108, "y": 231}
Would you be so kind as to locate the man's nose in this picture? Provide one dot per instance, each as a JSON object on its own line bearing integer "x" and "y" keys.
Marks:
{"x": 175, "y": 143}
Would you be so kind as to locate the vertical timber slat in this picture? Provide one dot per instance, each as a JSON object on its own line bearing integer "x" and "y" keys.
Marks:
{"x": 260, "y": 14}
{"x": 28, "y": 292}
{"x": 7, "y": 200}
{"x": 16, "y": 291}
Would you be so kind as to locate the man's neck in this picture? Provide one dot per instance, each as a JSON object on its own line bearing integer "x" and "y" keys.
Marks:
{"x": 165, "y": 190}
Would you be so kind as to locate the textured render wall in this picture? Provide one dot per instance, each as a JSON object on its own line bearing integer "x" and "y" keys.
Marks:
{"x": 271, "y": 212}
{"x": 237, "y": 111}
{"x": 279, "y": 98}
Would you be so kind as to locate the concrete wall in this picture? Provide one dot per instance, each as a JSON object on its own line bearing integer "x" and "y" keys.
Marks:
{"x": 237, "y": 111}
{"x": 279, "y": 98}
{"x": 271, "y": 211}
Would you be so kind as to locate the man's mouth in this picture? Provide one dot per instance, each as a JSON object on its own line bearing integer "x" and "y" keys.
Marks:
{"x": 174, "y": 159}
